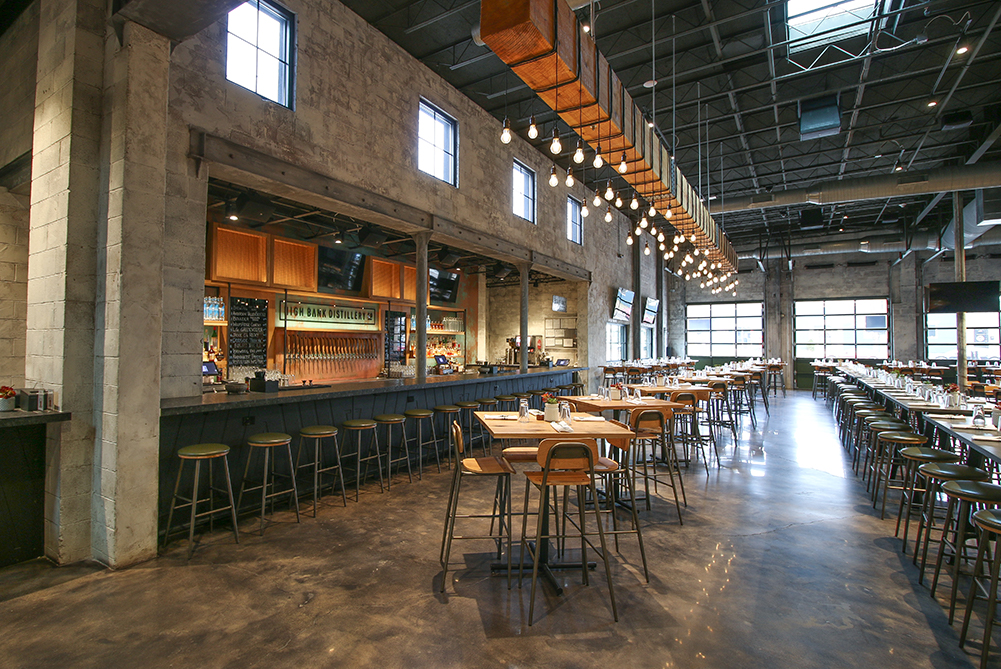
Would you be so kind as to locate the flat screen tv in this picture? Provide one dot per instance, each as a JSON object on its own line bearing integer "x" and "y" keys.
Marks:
{"x": 962, "y": 297}
{"x": 340, "y": 270}
{"x": 623, "y": 308}
{"x": 650, "y": 307}
{"x": 443, "y": 286}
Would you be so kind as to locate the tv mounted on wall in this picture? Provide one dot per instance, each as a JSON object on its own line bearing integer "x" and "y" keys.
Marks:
{"x": 650, "y": 307}
{"x": 443, "y": 286}
{"x": 339, "y": 269}
{"x": 962, "y": 297}
{"x": 623, "y": 308}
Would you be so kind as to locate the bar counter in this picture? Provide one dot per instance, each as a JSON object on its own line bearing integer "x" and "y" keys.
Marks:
{"x": 230, "y": 419}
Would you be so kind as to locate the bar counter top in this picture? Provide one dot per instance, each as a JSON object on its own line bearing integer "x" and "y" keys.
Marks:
{"x": 223, "y": 401}
{"x": 19, "y": 417}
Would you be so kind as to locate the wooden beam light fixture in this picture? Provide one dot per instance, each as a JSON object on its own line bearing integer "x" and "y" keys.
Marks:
{"x": 545, "y": 45}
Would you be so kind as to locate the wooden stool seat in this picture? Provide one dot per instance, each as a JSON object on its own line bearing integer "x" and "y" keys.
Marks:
{"x": 358, "y": 424}
{"x": 389, "y": 418}
{"x": 505, "y": 398}
{"x": 418, "y": 413}
{"x": 925, "y": 454}
{"x": 520, "y": 453}
{"x": 468, "y": 404}
{"x": 268, "y": 439}
{"x": 319, "y": 431}
{"x": 447, "y": 408}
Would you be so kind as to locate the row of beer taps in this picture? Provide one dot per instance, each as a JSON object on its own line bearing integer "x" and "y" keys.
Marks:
{"x": 323, "y": 355}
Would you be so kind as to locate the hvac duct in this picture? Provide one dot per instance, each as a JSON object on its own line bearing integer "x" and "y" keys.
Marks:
{"x": 946, "y": 179}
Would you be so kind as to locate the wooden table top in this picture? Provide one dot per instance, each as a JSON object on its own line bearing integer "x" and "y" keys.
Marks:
{"x": 540, "y": 429}
{"x": 986, "y": 442}
{"x": 701, "y": 392}
{"x": 593, "y": 403}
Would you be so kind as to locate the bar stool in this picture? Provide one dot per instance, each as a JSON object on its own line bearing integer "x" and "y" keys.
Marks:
{"x": 445, "y": 414}
{"x": 357, "y": 427}
{"x": 496, "y": 467}
{"x": 265, "y": 442}
{"x": 820, "y": 375}
{"x": 507, "y": 402}
{"x": 913, "y": 457}
{"x": 889, "y": 463}
{"x": 720, "y": 412}
{"x": 565, "y": 389}
{"x": 487, "y": 404}
{"x": 317, "y": 433}
{"x": 521, "y": 396}
{"x": 466, "y": 419}
{"x": 536, "y": 398}
{"x": 964, "y": 497}
{"x": 936, "y": 474}
{"x": 872, "y": 426}
{"x": 389, "y": 420}
{"x": 420, "y": 416}
{"x": 989, "y": 522}
{"x": 651, "y": 428}
{"x": 197, "y": 453}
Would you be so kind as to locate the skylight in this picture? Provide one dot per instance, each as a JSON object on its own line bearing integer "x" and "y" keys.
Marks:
{"x": 807, "y": 18}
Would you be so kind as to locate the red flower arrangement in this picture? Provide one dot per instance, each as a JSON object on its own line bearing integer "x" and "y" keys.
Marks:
{"x": 952, "y": 388}
{"x": 7, "y": 392}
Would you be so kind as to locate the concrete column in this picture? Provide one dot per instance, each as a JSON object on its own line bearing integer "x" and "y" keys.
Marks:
{"x": 65, "y": 185}
{"x": 523, "y": 271}
{"x": 660, "y": 345}
{"x": 787, "y": 295}
{"x": 13, "y": 285}
{"x": 773, "y": 310}
{"x": 957, "y": 216}
{"x": 130, "y": 299}
{"x": 420, "y": 355}
{"x": 637, "y": 316}
{"x": 905, "y": 304}
{"x": 676, "y": 300}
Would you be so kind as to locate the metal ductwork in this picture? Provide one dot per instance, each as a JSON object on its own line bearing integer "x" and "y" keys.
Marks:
{"x": 945, "y": 179}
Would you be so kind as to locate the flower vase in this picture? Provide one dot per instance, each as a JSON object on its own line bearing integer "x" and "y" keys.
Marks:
{"x": 552, "y": 412}
{"x": 7, "y": 403}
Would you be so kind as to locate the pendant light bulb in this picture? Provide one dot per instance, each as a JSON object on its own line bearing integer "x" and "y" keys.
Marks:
{"x": 533, "y": 130}
{"x": 570, "y": 180}
{"x": 578, "y": 155}
{"x": 653, "y": 230}
{"x": 618, "y": 200}
{"x": 623, "y": 166}
{"x": 646, "y": 249}
{"x": 598, "y": 162}
{"x": 609, "y": 193}
{"x": 506, "y": 131}
{"x": 638, "y": 231}
{"x": 661, "y": 246}
{"x": 596, "y": 200}
{"x": 644, "y": 223}
{"x": 692, "y": 238}
{"x": 696, "y": 251}
{"x": 555, "y": 147}
{"x": 629, "y": 240}
{"x": 584, "y": 211}
{"x": 634, "y": 204}
{"x": 653, "y": 210}
{"x": 667, "y": 213}
{"x": 608, "y": 215}
{"x": 670, "y": 254}
{"x": 661, "y": 237}
{"x": 553, "y": 179}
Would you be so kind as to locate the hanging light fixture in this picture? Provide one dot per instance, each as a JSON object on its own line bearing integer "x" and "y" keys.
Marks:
{"x": 584, "y": 211}
{"x": 638, "y": 231}
{"x": 609, "y": 193}
{"x": 578, "y": 155}
{"x": 623, "y": 166}
{"x": 598, "y": 162}
{"x": 553, "y": 179}
{"x": 634, "y": 204}
{"x": 596, "y": 200}
{"x": 618, "y": 201}
{"x": 646, "y": 249}
{"x": 667, "y": 212}
{"x": 505, "y": 136}
{"x": 653, "y": 230}
{"x": 629, "y": 240}
{"x": 644, "y": 223}
{"x": 608, "y": 215}
{"x": 533, "y": 130}
{"x": 670, "y": 254}
{"x": 555, "y": 147}
{"x": 661, "y": 237}
{"x": 661, "y": 246}
{"x": 570, "y": 180}
{"x": 653, "y": 210}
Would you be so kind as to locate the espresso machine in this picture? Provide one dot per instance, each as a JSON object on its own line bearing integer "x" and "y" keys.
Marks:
{"x": 535, "y": 352}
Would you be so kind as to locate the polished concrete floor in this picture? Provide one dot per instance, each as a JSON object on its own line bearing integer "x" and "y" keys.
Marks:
{"x": 781, "y": 562}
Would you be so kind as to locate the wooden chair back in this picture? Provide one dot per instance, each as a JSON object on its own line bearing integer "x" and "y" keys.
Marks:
{"x": 567, "y": 455}
{"x": 457, "y": 444}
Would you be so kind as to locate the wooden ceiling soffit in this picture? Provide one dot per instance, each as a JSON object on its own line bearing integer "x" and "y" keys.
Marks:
{"x": 543, "y": 43}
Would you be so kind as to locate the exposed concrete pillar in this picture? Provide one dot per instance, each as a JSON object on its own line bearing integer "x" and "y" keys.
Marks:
{"x": 420, "y": 355}
{"x": 960, "y": 265}
{"x": 676, "y": 300}
{"x": 905, "y": 301}
{"x": 660, "y": 346}
{"x": 130, "y": 299}
{"x": 523, "y": 271}
{"x": 13, "y": 285}
{"x": 636, "y": 318}
{"x": 773, "y": 311}
{"x": 65, "y": 185}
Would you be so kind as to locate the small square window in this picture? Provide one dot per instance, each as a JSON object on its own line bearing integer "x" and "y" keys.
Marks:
{"x": 523, "y": 194}
{"x": 259, "y": 50}
{"x": 575, "y": 224}
{"x": 438, "y": 143}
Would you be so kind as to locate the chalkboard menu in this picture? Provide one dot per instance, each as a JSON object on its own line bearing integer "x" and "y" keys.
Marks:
{"x": 248, "y": 332}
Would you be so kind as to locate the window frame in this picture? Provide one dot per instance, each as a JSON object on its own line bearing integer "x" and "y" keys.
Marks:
{"x": 532, "y": 197}
{"x": 724, "y": 340}
{"x": 575, "y": 222}
{"x": 855, "y": 314}
{"x": 622, "y": 344}
{"x": 970, "y": 341}
{"x": 287, "y": 66}
{"x": 439, "y": 116}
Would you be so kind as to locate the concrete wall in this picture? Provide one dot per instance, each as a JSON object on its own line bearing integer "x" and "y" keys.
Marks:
{"x": 13, "y": 286}
{"x": 19, "y": 48}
